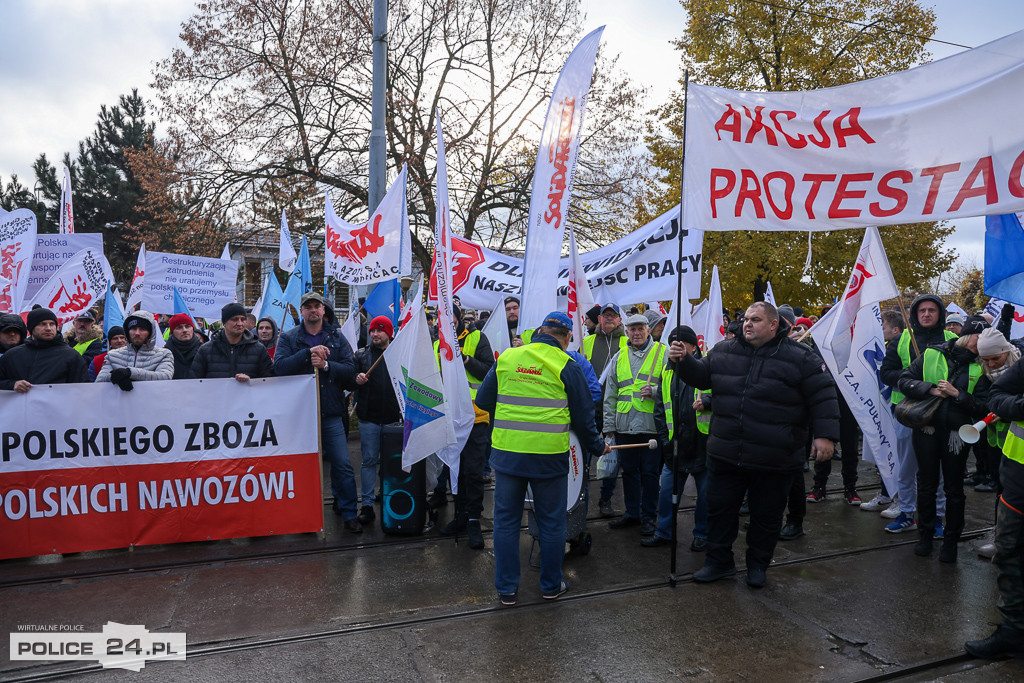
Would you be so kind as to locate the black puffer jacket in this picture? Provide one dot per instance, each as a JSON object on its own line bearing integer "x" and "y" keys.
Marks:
{"x": 375, "y": 401}
{"x": 764, "y": 400}
{"x": 217, "y": 358}
{"x": 42, "y": 362}
{"x": 293, "y": 357}
{"x": 953, "y": 413}
{"x": 892, "y": 365}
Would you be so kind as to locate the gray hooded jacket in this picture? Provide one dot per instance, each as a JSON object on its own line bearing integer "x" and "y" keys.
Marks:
{"x": 146, "y": 363}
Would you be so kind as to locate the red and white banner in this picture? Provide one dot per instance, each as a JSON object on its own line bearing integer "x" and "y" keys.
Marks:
{"x": 75, "y": 287}
{"x": 89, "y": 467}
{"x": 642, "y": 266}
{"x": 940, "y": 141}
{"x": 552, "y": 181}
{"x": 378, "y": 250}
{"x": 138, "y": 281}
{"x": 17, "y": 246}
{"x": 457, "y": 398}
{"x": 580, "y": 299}
{"x": 67, "y": 213}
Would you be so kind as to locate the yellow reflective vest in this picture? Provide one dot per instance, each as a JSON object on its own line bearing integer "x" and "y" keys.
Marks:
{"x": 532, "y": 411}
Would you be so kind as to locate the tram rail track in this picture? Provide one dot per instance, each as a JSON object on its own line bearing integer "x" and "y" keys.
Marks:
{"x": 226, "y": 647}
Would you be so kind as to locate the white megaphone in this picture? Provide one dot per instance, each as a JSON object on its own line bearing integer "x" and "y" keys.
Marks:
{"x": 972, "y": 433}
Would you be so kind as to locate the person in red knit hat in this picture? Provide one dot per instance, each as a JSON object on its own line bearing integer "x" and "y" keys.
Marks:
{"x": 183, "y": 343}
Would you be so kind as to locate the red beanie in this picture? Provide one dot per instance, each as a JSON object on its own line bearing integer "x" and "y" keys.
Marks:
{"x": 382, "y": 322}
{"x": 179, "y": 319}
{"x": 806, "y": 322}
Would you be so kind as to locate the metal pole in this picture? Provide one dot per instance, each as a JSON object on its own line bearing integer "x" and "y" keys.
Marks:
{"x": 679, "y": 320}
{"x": 380, "y": 61}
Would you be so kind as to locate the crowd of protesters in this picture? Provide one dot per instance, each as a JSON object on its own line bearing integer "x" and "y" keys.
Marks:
{"x": 742, "y": 419}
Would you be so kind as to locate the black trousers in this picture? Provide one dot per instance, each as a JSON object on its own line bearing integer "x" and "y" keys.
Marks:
{"x": 933, "y": 453}
{"x": 767, "y": 499}
{"x": 469, "y": 501}
{"x": 849, "y": 439}
{"x": 796, "y": 507}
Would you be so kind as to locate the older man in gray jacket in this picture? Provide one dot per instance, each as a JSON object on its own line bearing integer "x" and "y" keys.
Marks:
{"x": 140, "y": 360}
{"x": 632, "y": 376}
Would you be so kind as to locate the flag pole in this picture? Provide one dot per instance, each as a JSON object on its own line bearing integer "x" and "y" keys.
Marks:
{"x": 679, "y": 319}
{"x": 910, "y": 328}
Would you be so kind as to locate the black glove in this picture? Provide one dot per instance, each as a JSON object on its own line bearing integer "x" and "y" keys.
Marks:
{"x": 122, "y": 377}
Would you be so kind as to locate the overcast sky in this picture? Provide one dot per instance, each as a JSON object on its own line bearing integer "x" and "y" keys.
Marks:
{"x": 62, "y": 59}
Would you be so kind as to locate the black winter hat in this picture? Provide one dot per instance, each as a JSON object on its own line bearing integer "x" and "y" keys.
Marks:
{"x": 38, "y": 315}
{"x": 115, "y": 331}
{"x": 134, "y": 321}
{"x": 231, "y": 310}
{"x": 683, "y": 333}
{"x": 9, "y": 320}
{"x": 974, "y": 325}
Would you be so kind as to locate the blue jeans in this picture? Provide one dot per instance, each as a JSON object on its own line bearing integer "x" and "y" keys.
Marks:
{"x": 369, "y": 445}
{"x": 343, "y": 479}
{"x": 639, "y": 476}
{"x": 549, "y": 507}
{"x": 665, "y": 516}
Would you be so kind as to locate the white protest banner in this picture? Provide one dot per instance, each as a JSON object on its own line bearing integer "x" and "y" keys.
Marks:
{"x": 88, "y": 466}
{"x": 76, "y": 286}
{"x": 553, "y": 173}
{"x": 995, "y": 309}
{"x": 642, "y": 266}
{"x": 380, "y": 249}
{"x": 939, "y": 141}
{"x": 579, "y": 297}
{"x": 17, "y": 241}
{"x": 206, "y": 284}
{"x": 53, "y": 251}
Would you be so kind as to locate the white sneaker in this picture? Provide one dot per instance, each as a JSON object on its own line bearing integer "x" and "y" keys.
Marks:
{"x": 876, "y": 503}
{"x": 892, "y": 512}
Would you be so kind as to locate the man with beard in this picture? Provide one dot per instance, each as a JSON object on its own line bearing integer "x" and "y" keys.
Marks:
{"x": 43, "y": 359}
{"x": 512, "y": 316}
{"x": 140, "y": 360}
{"x": 12, "y": 332}
{"x": 233, "y": 352}
{"x": 88, "y": 337}
{"x": 183, "y": 343}
{"x": 267, "y": 333}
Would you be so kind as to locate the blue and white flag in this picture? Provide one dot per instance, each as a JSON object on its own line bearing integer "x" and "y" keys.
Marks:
{"x": 113, "y": 310}
{"x": 1004, "y": 257}
{"x": 385, "y": 299}
{"x": 273, "y": 302}
{"x": 418, "y": 385}
{"x": 301, "y": 280}
{"x": 181, "y": 306}
{"x": 286, "y": 252}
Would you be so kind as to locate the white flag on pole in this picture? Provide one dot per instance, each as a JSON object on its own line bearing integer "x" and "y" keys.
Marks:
{"x": 67, "y": 212}
{"x": 413, "y": 305}
{"x": 226, "y": 254}
{"x": 138, "y": 280}
{"x": 418, "y": 385}
{"x": 453, "y": 371}
{"x": 581, "y": 299}
{"x": 713, "y": 328}
{"x": 552, "y": 182}
{"x": 286, "y": 256}
{"x": 496, "y": 330}
{"x": 678, "y": 315}
{"x": 769, "y": 295}
{"x": 17, "y": 246}
{"x": 850, "y": 340}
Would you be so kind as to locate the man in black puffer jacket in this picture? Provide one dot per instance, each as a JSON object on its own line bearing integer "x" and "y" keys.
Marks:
{"x": 768, "y": 391}
{"x": 43, "y": 359}
{"x": 232, "y": 352}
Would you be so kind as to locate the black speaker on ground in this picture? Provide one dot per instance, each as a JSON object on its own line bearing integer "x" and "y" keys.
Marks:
{"x": 404, "y": 499}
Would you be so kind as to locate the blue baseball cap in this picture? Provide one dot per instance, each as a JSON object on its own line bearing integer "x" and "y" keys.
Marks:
{"x": 557, "y": 319}
{"x": 614, "y": 307}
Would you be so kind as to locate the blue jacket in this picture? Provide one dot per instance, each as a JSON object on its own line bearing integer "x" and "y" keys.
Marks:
{"x": 581, "y": 418}
{"x": 292, "y": 357}
{"x": 593, "y": 383}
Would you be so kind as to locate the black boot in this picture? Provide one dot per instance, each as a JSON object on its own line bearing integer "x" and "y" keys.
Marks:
{"x": 1006, "y": 642}
{"x": 948, "y": 551}
{"x": 924, "y": 544}
{"x": 473, "y": 533}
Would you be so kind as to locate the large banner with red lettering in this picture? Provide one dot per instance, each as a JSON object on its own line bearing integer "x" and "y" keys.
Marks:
{"x": 940, "y": 141}
{"x": 89, "y": 466}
